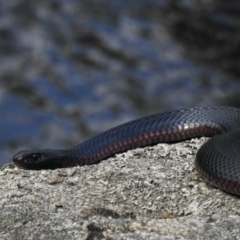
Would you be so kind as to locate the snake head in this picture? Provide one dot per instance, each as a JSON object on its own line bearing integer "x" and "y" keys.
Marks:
{"x": 39, "y": 159}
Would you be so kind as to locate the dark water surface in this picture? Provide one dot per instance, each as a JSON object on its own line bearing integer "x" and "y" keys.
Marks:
{"x": 71, "y": 69}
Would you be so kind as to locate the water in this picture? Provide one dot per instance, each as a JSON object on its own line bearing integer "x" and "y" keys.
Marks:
{"x": 71, "y": 69}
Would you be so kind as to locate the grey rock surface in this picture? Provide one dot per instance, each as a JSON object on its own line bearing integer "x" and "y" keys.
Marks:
{"x": 148, "y": 193}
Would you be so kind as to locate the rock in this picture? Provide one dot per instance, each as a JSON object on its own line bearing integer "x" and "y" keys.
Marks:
{"x": 148, "y": 193}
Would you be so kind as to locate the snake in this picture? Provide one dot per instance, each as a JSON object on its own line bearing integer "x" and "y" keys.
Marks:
{"x": 217, "y": 161}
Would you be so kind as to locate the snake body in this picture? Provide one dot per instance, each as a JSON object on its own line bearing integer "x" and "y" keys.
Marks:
{"x": 218, "y": 160}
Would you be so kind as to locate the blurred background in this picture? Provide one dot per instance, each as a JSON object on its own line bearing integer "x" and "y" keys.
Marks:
{"x": 71, "y": 69}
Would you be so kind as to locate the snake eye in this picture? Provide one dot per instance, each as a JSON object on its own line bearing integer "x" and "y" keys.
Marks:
{"x": 32, "y": 158}
{"x": 35, "y": 156}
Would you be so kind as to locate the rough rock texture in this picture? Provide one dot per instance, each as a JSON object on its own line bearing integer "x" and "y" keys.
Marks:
{"x": 148, "y": 193}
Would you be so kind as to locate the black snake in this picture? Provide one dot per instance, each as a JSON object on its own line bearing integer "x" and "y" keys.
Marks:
{"x": 218, "y": 161}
